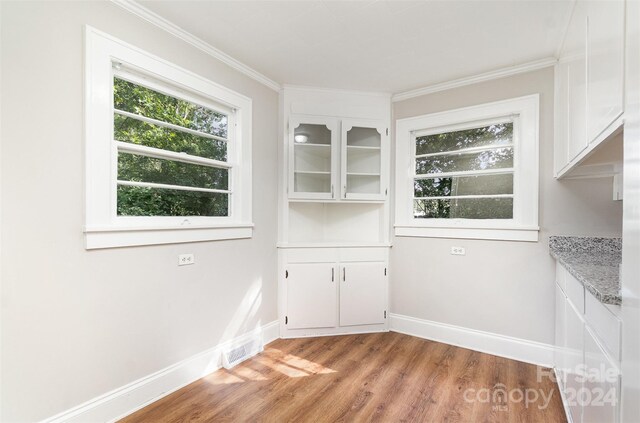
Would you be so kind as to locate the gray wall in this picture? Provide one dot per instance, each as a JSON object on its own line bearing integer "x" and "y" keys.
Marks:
{"x": 501, "y": 287}
{"x": 78, "y": 323}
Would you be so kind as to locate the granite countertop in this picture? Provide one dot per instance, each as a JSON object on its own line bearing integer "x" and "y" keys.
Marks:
{"x": 595, "y": 262}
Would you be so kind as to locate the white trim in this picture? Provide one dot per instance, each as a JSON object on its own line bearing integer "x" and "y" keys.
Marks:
{"x": 173, "y": 29}
{"x": 525, "y": 170}
{"x": 129, "y": 237}
{"x": 491, "y": 343}
{"x": 519, "y": 234}
{"x": 158, "y": 153}
{"x": 449, "y": 197}
{"x": 174, "y": 187}
{"x": 127, "y": 399}
{"x": 336, "y": 90}
{"x": 496, "y": 171}
{"x": 168, "y": 125}
{"x": 469, "y": 80}
{"x": 469, "y": 150}
{"x": 101, "y": 151}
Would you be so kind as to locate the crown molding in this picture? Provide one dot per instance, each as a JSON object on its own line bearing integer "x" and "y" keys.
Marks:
{"x": 336, "y": 90}
{"x": 173, "y": 29}
{"x": 487, "y": 76}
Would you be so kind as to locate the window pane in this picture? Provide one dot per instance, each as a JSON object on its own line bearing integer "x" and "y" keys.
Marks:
{"x": 465, "y": 208}
{"x": 464, "y": 185}
{"x": 498, "y": 134}
{"x": 140, "y": 100}
{"x": 137, "y": 132}
{"x": 490, "y": 159}
{"x": 133, "y": 167}
{"x": 141, "y": 201}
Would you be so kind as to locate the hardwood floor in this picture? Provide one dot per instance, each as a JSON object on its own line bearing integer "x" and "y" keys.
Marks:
{"x": 383, "y": 377}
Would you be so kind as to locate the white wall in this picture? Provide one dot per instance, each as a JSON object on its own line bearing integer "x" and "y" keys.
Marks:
{"x": 78, "y": 323}
{"x": 499, "y": 286}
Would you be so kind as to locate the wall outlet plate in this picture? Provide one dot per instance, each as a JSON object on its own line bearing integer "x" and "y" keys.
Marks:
{"x": 458, "y": 251}
{"x": 185, "y": 259}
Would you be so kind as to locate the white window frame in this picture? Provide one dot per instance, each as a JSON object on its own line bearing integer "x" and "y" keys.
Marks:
{"x": 103, "y": 228}
{"x": 524, "y": 112}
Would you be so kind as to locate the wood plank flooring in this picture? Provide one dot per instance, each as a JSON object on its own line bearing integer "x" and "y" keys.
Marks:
{"x": 380, "y": 377}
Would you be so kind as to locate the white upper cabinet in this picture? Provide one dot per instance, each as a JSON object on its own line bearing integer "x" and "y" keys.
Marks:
{"x": 363, "y": 149}
{"x": 328, "y": 164}
{"x": 313, "y": 157}
{"x": 589, "y": 82}
{"x": 575, "y": 71}
{"x": 605, "y": 65}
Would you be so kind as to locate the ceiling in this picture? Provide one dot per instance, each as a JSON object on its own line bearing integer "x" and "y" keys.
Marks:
{"x": 388, "y": 46}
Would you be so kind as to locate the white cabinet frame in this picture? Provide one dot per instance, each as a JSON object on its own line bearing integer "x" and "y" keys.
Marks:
{"x": 348, "y": 125}
{"x": 331, "y": 124}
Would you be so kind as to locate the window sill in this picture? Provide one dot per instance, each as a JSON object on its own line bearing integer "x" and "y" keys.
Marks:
{"x": 529, "y": 234}
{"x": 119, "y": 236}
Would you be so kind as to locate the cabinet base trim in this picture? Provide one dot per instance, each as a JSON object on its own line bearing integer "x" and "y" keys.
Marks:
{"x": 286, "y": 333}
{"x": 127, "y": 399}
{"x": 491, "y": 343}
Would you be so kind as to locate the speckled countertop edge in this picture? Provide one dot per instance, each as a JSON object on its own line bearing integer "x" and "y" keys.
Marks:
{"x": 594, "y": 262}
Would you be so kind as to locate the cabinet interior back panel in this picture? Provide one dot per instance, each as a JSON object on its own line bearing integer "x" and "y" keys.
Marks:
{"x": 326, "y": 222}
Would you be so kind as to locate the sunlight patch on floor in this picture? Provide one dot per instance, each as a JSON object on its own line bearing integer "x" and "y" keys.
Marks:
{"x": 287, "y": 364}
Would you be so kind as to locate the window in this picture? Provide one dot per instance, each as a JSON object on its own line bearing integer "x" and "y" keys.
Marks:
{"x": 473, "y": 172}
{"x": 172, "y": 154}
{"x": 168, "y": 152}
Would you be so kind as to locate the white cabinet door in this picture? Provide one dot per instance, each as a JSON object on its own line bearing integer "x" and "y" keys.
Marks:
{"x": 364, "y": 154}
{"x": 602, "y": 385}
{"x": 313, "y": 158}
{"x": 311, "y": 295}
{"x": 605, "y": 64}
{"x": 574, "y": 330}
{"x": 574, "y": 64}
{"x": 560, "y": 337}
{"x": 363, "y": 293}
{"x": 561, "y": 118}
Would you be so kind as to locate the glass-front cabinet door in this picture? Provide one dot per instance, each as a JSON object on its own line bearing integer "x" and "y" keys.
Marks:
{"x": 364, "y": 151}
{"x": 313, "y": 158}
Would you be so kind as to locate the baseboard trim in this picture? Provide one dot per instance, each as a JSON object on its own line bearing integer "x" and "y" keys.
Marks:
{"x": 123, "y": 401}
{"x": 504, "y": 346}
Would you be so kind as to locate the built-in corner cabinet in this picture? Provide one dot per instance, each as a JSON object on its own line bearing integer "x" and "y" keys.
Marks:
{"x": 587, "y": 352}
{"x": 337, "y": 159}
{"x": 334, "y": 232}
{"x": 589, "y": 89}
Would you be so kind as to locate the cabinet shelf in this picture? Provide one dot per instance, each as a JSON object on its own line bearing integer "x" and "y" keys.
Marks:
{"x": 363, "y": 174}
{"x": 309, "y": 144}
{"x": 312, "y": 172}
{"x": 363, "y": 148}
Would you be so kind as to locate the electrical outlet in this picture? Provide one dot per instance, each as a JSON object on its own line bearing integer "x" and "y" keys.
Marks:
{"x": 457, "y": 251}
{"x": 185, "y": 259}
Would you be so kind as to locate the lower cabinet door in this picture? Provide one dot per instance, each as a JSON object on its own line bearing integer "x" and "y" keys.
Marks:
{"x": 311, "y": 295}
{"x": 560, "y": 350}
{"x": 574, "y": 361}
{"x": 602, "y": 384}
{"x": 363, "y": 293}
